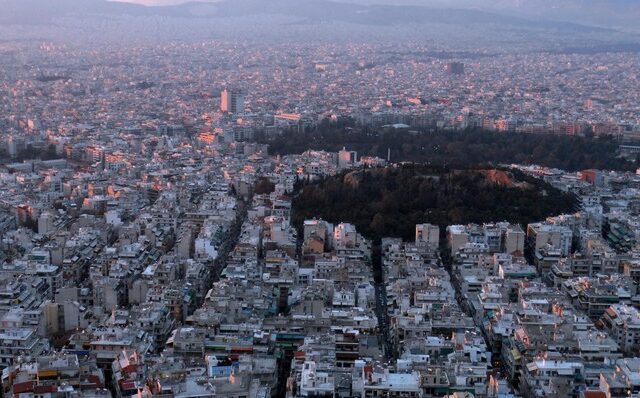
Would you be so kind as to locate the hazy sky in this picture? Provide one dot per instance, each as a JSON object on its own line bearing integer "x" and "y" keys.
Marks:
{"x": 157, "y": 2}
{"x": 170, "y": 2}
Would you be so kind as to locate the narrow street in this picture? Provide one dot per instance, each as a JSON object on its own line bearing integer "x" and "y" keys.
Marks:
{"x": 228, "y": 244}
{"x": 381, "y": 303}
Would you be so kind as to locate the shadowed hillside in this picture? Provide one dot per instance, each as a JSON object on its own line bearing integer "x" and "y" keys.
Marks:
{"x": 460, "y": 148}
{"x": 391, "y": 201}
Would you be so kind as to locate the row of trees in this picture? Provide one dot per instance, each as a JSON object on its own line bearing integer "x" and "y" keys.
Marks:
{"x": 391, "y": 201}
{"x": 461, "y": 148}
{"x": 31, "y": 152}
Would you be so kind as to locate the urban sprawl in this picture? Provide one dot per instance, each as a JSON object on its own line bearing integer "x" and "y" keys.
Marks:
{"x": 138, "y": 258}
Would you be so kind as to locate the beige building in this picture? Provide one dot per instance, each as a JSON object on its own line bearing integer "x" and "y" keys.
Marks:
{"x": 429, "y": 234}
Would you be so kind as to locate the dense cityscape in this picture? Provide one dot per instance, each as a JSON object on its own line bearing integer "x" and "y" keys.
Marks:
{"x": 153, "y": 244}
{"x": 59, "y": 91}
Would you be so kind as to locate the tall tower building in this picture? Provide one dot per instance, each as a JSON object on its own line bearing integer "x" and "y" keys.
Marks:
{"x": 455, "y": 68}
{"x": 347, "y": 158}
{"x": 231, "y": 101}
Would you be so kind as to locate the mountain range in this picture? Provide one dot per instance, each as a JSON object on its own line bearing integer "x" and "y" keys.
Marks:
{"x": 619, "y": 14}
{"x": 547, "y": 13}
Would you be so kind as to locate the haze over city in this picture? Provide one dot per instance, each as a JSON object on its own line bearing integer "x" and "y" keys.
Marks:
{"x": 320, "y": 198}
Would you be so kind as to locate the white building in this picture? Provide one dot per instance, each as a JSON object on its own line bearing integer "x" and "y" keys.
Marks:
{"x": 541, "y": 235}
{"x": 314, "y": 383}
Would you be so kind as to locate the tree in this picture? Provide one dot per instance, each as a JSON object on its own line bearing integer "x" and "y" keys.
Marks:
{"x": 459, "y": 148}
{"x": 264, "y": 186}
{"x": 378, "y": 224}
{"x": 390, "y": 201}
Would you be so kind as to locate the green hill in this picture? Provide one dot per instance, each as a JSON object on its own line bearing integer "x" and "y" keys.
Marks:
{"x": 391, "y": 201}
{"x": 467, "y": 148}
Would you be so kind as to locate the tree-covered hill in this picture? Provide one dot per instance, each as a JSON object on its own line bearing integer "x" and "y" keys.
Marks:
{"x": 460, "y": 148}
{"x": 391, "y": 201}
